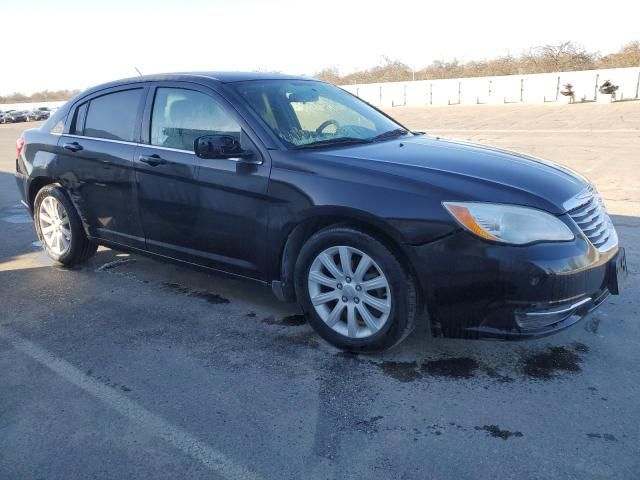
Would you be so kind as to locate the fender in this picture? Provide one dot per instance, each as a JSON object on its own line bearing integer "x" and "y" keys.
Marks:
{"x": 304, "y": 225}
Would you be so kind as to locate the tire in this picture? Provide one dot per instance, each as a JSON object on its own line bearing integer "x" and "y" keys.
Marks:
{"x": 390, "y": 307}
{"x": 73, "y": 247}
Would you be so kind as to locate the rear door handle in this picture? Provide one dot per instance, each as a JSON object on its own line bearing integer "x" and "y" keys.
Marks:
{"x": 153, "y": 160}
{"x": 73, "y": 146}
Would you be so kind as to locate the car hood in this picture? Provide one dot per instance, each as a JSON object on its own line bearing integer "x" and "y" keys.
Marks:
{"x": 470, "y": 172}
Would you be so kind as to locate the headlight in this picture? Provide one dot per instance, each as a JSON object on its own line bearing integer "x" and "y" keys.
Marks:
{"x": 508, "y": 223}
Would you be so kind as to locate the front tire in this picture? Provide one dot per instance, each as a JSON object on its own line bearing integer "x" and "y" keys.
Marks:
{"x": 59, "y": 227}
{"x": 355, "y": 292}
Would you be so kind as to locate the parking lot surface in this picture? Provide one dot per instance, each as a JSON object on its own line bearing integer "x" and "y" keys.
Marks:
{"x": 130, "y": 368}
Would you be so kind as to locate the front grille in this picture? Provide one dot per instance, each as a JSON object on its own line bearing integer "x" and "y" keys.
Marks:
{"x": 593, "y": 220}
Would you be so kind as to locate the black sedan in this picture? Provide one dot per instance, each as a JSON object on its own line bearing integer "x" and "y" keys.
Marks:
{"x": 39, "y": 114}
{"x": 15, "y": 116}
{"x": 298, "y": 184}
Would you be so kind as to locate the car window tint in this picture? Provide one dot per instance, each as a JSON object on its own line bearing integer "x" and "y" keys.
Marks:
{"x": 113, "y": 116}
{"x": 180, "y": 116}
{"x": 78, "y": 120}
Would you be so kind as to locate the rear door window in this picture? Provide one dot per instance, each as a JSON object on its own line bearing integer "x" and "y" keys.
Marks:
{"x": 114, "y": 116}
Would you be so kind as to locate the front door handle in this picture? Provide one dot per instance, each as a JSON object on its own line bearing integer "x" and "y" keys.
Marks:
{"x": 72, "y": 147}
{"x": 153, "y": 160}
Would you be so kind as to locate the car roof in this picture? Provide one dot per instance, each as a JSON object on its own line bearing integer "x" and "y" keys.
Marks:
{"x": 218, "y": 77}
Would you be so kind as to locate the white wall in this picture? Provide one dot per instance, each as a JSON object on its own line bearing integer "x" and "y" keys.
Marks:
{"x": 534, "y": 88}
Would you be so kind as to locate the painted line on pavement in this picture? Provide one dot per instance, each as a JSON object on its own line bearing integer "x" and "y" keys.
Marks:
{"x": 184, "y": 441}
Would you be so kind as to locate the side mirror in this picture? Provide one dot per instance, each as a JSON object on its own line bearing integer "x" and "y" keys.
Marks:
{"x": 220, "y": 147}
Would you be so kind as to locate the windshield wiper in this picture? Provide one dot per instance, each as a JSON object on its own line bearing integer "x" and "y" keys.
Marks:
{"x": 334, "y": 141}
{"x": 396, "y": 132}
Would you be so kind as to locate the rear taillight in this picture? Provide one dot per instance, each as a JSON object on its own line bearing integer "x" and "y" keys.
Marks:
{"x": 19, "y": 145}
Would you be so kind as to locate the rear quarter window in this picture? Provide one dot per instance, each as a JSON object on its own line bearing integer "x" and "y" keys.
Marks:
{"x": 55, "y": 123}
{"x": 113, "y": 116}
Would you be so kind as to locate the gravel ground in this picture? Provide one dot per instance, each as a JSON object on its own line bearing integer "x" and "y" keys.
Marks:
{"x": 130, "y": 368}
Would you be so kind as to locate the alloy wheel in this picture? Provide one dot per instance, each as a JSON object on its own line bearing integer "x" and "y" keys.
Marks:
{"x": 54, "y": 225}
{"x": 349, "y": 291}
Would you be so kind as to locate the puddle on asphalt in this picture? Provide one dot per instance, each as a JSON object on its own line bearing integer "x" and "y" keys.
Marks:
{"x": 289, "y": 321}
{"x": 210, "y": 297}
{"x": 401, "y": 371}
{"x": 546, "y": 364}
{"x": 294, "y": 320}
{"x": 459, "y": 367}
{"x": 497, "y": 432}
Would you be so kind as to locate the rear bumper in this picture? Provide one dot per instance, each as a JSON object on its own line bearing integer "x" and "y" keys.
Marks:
{"x": 22, "y": 182}
{"x": 476, "y": 289}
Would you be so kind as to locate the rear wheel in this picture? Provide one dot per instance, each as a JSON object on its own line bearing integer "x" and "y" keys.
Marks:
{"x": 59, "y": 227}
{"x": 357, "y": 294}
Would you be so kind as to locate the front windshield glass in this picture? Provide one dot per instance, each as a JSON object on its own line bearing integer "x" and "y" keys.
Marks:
{"x": 307, "y": 114}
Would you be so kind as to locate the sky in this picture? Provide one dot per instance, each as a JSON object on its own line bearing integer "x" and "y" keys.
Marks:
{"x": 76, "y": 44}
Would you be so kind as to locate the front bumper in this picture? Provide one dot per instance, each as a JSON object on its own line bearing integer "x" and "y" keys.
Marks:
{"x": 477, "y": 289}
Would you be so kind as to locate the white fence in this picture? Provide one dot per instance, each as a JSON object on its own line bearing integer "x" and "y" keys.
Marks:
{"x": 534, "y": 88}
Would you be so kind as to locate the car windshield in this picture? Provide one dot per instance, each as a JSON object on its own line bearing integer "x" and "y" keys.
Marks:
{"x": 310, "y": 114}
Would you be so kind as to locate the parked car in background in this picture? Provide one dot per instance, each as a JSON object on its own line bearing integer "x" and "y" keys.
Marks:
{"x": 298, "y": 184}
{"x": 15, "y": 116}
{"x": 3, "y": 117}
{"x": 37, "y": 114}
{"x": 6, "y": 117}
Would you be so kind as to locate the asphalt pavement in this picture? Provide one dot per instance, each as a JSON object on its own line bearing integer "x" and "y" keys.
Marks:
{"x": 130, "y": 368}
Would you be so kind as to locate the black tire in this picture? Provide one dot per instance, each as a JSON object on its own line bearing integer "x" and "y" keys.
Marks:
{"x": 80, "y": 248}
{"x": 403, "y": 313}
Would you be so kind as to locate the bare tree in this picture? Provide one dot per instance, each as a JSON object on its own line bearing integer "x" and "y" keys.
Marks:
{"x": 563, "y": 56}
{"x": 45, "y": 95}
{"x": 627, "y": 56}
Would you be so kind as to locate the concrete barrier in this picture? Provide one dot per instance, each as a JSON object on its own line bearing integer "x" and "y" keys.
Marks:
{"x": 533, "y": 88}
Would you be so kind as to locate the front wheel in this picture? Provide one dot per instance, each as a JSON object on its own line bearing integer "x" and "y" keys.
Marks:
{"x": 59, "y": 227}
{"x": 356, "y": 293}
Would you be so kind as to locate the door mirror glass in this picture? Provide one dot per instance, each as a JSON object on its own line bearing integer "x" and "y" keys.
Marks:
{"x": 220, "y": 146}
